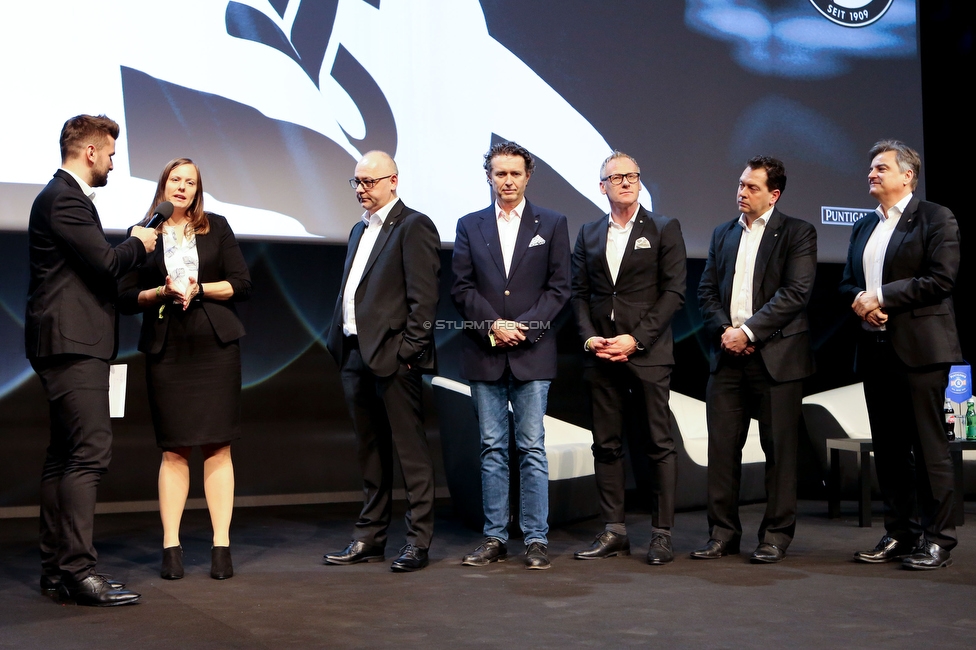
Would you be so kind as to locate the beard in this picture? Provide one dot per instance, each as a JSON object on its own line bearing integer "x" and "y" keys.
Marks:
{"x": 99, "y": 177}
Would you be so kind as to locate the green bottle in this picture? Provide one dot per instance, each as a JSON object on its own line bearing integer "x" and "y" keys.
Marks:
{"x": 970, "y": 421}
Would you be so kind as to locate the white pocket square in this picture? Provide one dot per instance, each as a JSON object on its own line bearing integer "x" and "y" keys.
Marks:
{"x": 642, "y": 243}
{"x": 537, "y": 241}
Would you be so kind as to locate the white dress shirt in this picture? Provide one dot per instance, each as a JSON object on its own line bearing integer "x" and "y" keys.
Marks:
{"x": 374, "y": 224}
{"x": 617, "y": 239}
{"x": 85, "y": 187}
{"x": 741, "y": 307}
{"x": 875, "y": 249}
{"x": 508, "y": 227}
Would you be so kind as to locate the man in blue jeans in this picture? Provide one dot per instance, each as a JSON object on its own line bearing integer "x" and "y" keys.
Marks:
{"x": 512, "y": 268}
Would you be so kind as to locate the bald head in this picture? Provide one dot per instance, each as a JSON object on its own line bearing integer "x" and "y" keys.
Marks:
{"x": 378, "y": 169}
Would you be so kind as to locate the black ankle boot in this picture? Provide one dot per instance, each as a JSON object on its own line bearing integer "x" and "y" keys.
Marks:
{"x": 221, "y": 567}
{"x": 172, "y": 563}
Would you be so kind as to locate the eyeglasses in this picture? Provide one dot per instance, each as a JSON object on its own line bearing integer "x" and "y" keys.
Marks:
{"x": 617, "y": 179}
{"x": 367, "y": 183}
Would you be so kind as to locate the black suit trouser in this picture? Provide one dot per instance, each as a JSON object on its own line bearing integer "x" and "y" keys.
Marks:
{"x": 621, "y": 393}
{"x": 739, "y": 390}
{"x": 911, "y": 451}
{"x": 78, "y": 454}
{"x": 388, "y": 412}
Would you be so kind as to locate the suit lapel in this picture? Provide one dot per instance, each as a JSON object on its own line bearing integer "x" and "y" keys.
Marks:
{"x": 640, "y": 225}
{"x": 354, "y": 237}
{"x": 528, "y": 227}
{"x": 766, "y": 246}
{"x": 730, "y": 251}
{"x": 898, "y": 236}
{"x": 489, "y": 231}
{"x": 600, "y": 249}
{"x": 859, "y": 244}
{"x": 388, "y": 225}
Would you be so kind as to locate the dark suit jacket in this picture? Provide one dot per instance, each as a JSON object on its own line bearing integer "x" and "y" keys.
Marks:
{"x": 535, "y": 291}
{"x": 650, "y": 285}
{"x": 786, "y": 266}
{"x": 220, "y": 259}
{"x": 73, "y": 273}
{"x": 396, "y": 300}
{"x": 920, "y": 268}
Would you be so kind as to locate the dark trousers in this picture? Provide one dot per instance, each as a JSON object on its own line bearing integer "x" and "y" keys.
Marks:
{"x": 388, "y": 412}
{"x": 741, "y": 389}
{"x": 78, "y": 454}
{"x": 911, "y": 452}
{"x": 620, "y": 390}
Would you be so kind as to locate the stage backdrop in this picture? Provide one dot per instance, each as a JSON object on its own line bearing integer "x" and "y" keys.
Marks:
{"x": 277, "y": 99}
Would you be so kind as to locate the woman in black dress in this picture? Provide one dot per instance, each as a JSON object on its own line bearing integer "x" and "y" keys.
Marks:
{"x": 190, "y": 329}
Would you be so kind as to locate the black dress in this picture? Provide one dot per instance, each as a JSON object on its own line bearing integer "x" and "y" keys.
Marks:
{"x": 193, "y": 358}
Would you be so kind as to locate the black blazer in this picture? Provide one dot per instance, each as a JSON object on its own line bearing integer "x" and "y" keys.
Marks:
{"x": 786, "y": 266}
{"x": 396, "y": 300}
{"x": 220, "y": 259}
{"x": 650, "y": 285}
{"x": 535, "y": 291}
{"x": 73, "y": 273}
{"x": 920, "y": 268}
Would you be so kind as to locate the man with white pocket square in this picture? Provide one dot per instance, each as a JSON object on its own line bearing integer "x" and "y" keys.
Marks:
{"x": 511, "y": 262}
{"x": 628, "y": 282}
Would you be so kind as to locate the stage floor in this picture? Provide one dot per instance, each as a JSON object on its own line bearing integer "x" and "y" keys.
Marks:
{"x": 282, "y": 595}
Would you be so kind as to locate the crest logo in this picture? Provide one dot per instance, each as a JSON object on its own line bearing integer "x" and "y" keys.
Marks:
{"x": 852, "y": 13}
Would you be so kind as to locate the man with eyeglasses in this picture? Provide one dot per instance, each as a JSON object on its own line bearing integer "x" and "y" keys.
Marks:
{"x": 628, "y": 282}
{"x": 382, "y": 340}
{"x": 511, "y": 261}
{"x": 753, "y": 297}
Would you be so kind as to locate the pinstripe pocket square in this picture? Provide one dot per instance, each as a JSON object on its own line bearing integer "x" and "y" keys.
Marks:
{"x": 642, "y": 243}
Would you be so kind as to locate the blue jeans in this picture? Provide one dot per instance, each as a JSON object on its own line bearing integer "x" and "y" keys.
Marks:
{"x": 528, "y": 400}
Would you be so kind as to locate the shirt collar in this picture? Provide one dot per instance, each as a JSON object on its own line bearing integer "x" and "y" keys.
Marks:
{"x": 380, "y": 214}
{"x": 85, "y": 187}
{"x": 764, "y": 219}
{"x": 896, "y": 210}
{"x": 519, "y": 209}
{"x": 630, "y": 222}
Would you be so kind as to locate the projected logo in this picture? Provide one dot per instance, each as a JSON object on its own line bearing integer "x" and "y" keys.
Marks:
{"x": 277, "y": 99}
{"x": 852, "y": 13}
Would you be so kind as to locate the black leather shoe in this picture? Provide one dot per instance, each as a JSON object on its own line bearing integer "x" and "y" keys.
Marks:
{"x": 221, "y": 566}
{"x": 887, "y": 550}
{"x": 767, "y": 554}
{"x": 716, "y": 548}
{"x": 95, "y": 591}
{"x": 660, "y": 551}
{"x": 606, "y": 544}
{"x": 926, "y": 557}
{"x": 491, "y": 550}
{"x": 355, "y": 553}
{"x": 172, "y": 566}
{"x": 412, "y": 558}
{"x": 50, "y": 584}
{"x": 537, "y": 556}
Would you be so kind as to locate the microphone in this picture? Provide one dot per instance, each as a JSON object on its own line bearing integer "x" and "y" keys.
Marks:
{"x": 162, "y": 212}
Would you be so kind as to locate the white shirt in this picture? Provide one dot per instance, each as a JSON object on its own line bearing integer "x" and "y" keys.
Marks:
{"x": 508, "y": 231}
{"x": 85, "y": 187}
{"x": 181, "y": 258}
{"x": 741, "y": 308}
{"x": 617, "y": 239}
{"x": 374, "y": 224}
{"x": 875, "y": 249}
